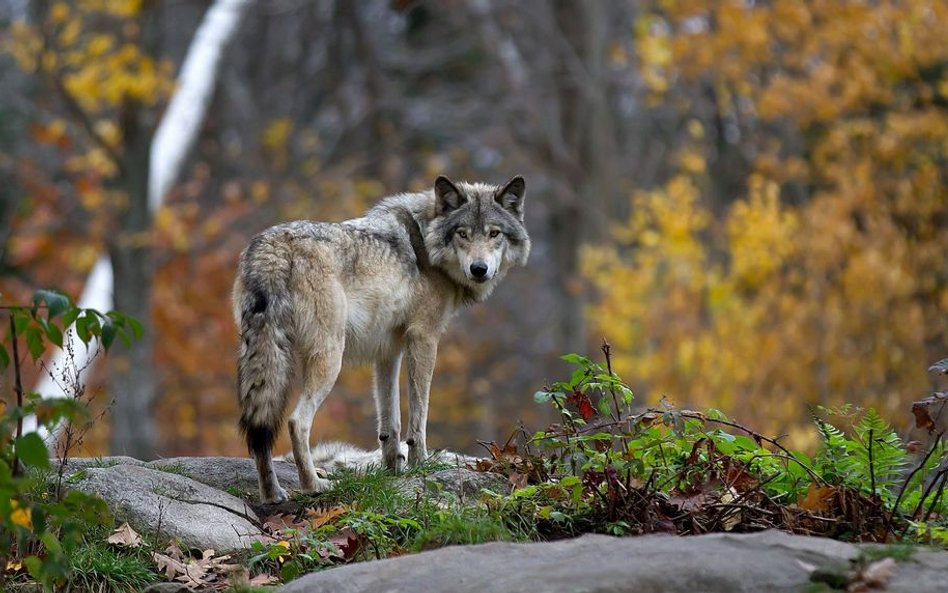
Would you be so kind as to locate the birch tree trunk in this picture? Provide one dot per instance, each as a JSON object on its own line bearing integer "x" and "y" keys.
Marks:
{"x": 151, "y": 165}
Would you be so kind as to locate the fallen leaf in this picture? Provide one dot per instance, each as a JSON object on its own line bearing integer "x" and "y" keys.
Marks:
{"x": 281, "y": 521}
{"x": 818, "y": 498}
{"x": 125, "y": 536}
{"x": 732, "y": 517}
{"x": 263, "y": 579}
{"x": 518, "y": 480}
{"x": 483, "y": 465}
{"x": 168, "y": 565}
{"x": 929, "y": 412}
{"x": 320, "y": 516}
{"x": 174, "y": 551}
{"x": 194, "y": 573}
{"x": 689, "y": 503}
{"x": 348, "y": 542}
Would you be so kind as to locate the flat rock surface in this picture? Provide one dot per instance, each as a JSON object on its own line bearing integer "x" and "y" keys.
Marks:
{"x": 227, "y": 473}
{"x": 173, "y": 505}
{"x": 771, "y": 561}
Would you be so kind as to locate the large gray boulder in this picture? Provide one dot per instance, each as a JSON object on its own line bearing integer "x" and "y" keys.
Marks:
{"x": 237, "y": 475}
{"x": 718, "y": 563}
{"x": 172, "y": 505}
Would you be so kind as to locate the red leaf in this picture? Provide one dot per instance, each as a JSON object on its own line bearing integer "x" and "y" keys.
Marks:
{"x": 348, "y": 542}
{"x": 583, "y": 404}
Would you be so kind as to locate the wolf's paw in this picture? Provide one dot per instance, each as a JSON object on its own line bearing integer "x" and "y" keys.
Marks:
{"x": 318, "y": 485}
{"x": 277, "y": 496}
{"x": 416, "y": 456}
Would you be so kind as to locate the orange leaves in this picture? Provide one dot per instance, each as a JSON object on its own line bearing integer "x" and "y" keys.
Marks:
{"x": 320, "y": 516}
{"x": 815, "y": 281}
{"x": 819, "y": 499}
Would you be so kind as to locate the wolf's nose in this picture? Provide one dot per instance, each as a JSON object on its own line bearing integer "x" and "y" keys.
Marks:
{"x": 479, "y": 269}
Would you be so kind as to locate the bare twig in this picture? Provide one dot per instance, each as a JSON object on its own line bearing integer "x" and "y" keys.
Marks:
{"x": 905, "y": 485}
{"x": 607, "y": 352}
{"x": 18, "y": 387}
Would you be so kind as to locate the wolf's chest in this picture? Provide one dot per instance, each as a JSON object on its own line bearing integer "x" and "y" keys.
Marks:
{"x": 374, "y": 325}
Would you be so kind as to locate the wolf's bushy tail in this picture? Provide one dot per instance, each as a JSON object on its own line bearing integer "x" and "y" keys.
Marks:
{"x": 265, "y": 362}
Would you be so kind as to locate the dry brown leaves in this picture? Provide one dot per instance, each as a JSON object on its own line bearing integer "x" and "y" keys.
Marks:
{"x": 930, "y": 412}
{"x": 209, "y": 571}
{"x": 125, "y": 537}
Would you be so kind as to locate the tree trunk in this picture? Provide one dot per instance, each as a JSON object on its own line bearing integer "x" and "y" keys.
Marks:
{"x": 132, "y": 380}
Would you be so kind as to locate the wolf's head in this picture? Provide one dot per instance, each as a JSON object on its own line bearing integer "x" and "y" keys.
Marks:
{"x": 477, "y": 233}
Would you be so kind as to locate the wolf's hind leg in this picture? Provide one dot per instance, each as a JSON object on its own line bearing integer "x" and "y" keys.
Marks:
{"x": 319, "y": 375}
{"x": 388, "y": 411}
{"x": 270, "y": 489}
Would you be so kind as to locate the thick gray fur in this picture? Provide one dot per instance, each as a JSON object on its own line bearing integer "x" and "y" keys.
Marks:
{"x": 310, "y": 296}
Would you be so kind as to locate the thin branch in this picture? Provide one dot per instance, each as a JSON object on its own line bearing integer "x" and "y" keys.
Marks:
{"x": 607, "y": 352}
{"x": 905, "y": 485}
{"x": 18, "y": 387}
{"x": 83, "y": 118}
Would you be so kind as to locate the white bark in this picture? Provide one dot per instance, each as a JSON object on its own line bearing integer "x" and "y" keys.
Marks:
{"x": 96, "y": 295}
{"x": 174, "y": 138}
{"x": 198, "y": 76}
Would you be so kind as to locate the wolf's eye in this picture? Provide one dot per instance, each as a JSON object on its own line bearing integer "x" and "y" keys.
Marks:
{"x": 462, "y": 234}
{"x": 494, "y": 234}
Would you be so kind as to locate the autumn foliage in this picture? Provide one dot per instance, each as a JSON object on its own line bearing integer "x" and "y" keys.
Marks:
{"x": 819, "y": 275}
{"x": 781, "y": 229}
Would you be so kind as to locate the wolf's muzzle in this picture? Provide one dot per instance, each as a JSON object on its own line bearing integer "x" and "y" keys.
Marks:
{"x": 479, "y": 270}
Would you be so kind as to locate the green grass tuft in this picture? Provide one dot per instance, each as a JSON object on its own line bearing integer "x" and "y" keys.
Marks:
{"x": 104, "y": 570}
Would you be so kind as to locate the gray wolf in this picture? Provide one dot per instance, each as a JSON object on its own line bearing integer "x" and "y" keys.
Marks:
{"x": 310, "y": 296}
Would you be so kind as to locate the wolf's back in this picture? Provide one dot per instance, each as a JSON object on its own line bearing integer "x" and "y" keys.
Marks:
{"x": 263, "y": 311}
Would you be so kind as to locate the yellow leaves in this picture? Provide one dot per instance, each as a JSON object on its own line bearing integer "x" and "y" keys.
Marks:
{"x": 761, "y": 234}
{"x": 275, "y": 135}
{"x": 125, "y": 9}
{"x": 99, "y": 45}
{"x": 174, "y": 224}
{"x": 94, "y": 65}
{"x": 69, "y": 34}
{"x": 692, "y": 161}
{"x": 22, "y": 516}
{"x": 25, "y": 45}
{"x": 59, "y": 13}
{"x": 259, "y": 191}
{"x": 275, "y": 138}
{"x": 654, "y": 51}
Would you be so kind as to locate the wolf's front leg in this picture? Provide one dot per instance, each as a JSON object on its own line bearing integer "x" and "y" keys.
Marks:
{"x": 421, "y": 352}
{"x": 388, "y": 411}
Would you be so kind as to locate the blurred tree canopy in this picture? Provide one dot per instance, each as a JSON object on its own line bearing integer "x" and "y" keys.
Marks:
{"x": 798, "y": 252}
{"x": 748, "y": 199}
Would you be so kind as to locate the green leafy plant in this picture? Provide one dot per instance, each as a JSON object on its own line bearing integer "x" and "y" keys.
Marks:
{"x": 609, "y": 468}
{"x": 41, "y": 530}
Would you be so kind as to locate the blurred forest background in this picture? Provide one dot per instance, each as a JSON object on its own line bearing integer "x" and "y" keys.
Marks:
{"x": 748, "y": 199}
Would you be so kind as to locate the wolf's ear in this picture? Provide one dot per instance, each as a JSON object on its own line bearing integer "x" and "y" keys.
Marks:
{"x": 447, "y": 196}
{"x": 510, "y": 197}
